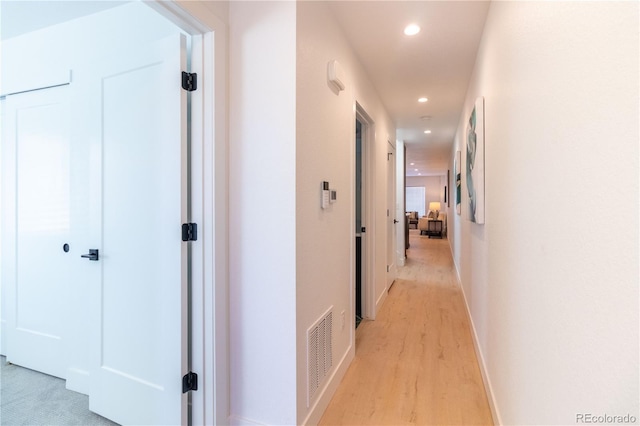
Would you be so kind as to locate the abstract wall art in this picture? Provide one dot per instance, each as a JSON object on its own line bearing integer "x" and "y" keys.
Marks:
{"x": 475, "y": 163}
{"x": 457, "y": 172}
{"x": 447, "y": 190}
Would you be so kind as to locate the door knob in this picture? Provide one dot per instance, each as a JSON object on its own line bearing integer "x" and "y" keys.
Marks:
{"x": 395, "y": 221}
{"x": 93, "y": 255}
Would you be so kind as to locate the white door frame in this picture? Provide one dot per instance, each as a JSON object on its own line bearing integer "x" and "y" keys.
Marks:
{"x": 392, "y": 229}
{"x": 209, "y": 205}
{"x": 368, "y": 203}
{"x": 400, "y": 203}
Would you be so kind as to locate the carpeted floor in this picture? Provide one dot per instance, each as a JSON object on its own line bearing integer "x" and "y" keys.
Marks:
{"x": 31, "y": 398}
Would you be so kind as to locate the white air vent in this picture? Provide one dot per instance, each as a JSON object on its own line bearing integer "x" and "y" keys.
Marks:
{"x": 319, "y": 349}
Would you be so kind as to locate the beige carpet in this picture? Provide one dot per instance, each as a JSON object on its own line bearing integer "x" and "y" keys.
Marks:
{"x": 31, "y": 398}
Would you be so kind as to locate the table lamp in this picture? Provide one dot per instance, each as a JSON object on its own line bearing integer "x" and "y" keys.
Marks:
{"x": 435, "y": 206}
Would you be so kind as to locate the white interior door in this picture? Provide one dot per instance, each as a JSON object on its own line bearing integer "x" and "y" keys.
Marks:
{"x": 3, "y": 201}
{"x": 400, "y": 204}
{"x": 37, "y": 226}
{"x": 391, "y": 215}
{"x": 140, "y": 299}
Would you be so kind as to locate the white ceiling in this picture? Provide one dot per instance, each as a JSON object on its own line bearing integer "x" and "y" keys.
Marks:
{"x": 23, "y": 16}
{"x": 436, "y": 63}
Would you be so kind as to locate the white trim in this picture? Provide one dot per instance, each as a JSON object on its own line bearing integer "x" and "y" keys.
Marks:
{"x": 400, "y": 203}
{"x": 330, "y": 387}
{"x": 28, "y": 83}
{"x": 77, "y": 380}
{"x": 392, "y": 240}
{"x": 368, "y": 204}
{"x": 236, "y": 420}
{"x": 476, "y": 344}
{"x": 382, "y": 298}
{"x": 210, "y": 359}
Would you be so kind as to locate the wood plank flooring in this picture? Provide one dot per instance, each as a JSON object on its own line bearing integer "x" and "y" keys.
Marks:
{"x": 416, "y": 363}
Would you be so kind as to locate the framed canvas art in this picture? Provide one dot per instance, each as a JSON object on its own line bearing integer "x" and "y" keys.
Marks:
{"x": 475, "y": 163}
{"x": 457, "y": 172}
{"x": 447, "y": 190}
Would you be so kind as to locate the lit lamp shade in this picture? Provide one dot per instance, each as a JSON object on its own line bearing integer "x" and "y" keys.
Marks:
{"x": 434, "y": 206}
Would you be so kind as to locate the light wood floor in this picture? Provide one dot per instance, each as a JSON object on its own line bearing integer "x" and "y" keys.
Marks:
{"x": 415, "y": 364}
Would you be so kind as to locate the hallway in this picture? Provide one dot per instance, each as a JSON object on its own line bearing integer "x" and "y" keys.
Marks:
{"x": 416, "y": 363}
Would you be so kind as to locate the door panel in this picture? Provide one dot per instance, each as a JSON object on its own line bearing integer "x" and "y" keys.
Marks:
{"x": 38, "y": 296}
{"x": 140, "y": 303}
{"x": 4, "y": 135}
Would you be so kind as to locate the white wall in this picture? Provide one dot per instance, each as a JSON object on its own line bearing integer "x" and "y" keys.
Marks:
{"x": 290, "y": 260}
{"x": 325, "y": 151}
{"x": 262, "y": 206}
{"x": 551, "y": 279}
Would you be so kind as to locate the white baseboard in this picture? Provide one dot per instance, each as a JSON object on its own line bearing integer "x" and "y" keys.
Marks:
{"x": 2, "y": 334}
{"x": 483, "y": 368}
{"x": 381, "y": 300}
{"x": 241, "y": 421}
{"x": 322, "y": 402}
{"x": 78, "y": 380}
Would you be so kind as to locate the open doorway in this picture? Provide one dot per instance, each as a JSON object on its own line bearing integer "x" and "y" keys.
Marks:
{"x": 391, "y": 215}
{"x": 98, "y": 181}
{"x": 205, "y": 155}
{"x": 363, "y": 276}
{"x": 359, "y": 221}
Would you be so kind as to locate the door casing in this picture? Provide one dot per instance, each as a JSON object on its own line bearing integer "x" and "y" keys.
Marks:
{"x": 391, "y": 215}
{"x": 400, "y": 203}
{"x": 368, "y": 218}
{"x": 209, "y": 293}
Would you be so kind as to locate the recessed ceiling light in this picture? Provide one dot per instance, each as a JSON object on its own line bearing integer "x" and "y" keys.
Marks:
{"x": 423, "y": 100}
{"x": 411, "y": 29}
{"x": 412, "y": 164}
{"x": 419, "y": 174}
{"x": 427, "y": 131}
{"x": 415, "y": 170}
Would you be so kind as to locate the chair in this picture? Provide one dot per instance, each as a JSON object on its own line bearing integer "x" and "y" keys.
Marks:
{"x": 433, "y": 227}
{"x": 413, "y": 219}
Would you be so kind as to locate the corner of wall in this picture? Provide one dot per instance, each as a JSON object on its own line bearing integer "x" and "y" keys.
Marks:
{"x": 497, "y": 420}
{"x": 380, "y": 300}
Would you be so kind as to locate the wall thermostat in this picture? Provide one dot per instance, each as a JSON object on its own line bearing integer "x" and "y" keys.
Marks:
{"x": 325, "y": 194}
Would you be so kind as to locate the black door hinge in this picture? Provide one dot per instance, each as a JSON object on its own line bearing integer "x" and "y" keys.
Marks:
{"x": 189, "y": 382}
{"x": 189, "y": 232}
{"x": 189, "y": 81}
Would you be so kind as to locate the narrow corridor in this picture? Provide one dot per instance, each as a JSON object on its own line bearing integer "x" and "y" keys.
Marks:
{"x": 415, "y": 364}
